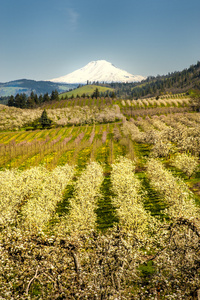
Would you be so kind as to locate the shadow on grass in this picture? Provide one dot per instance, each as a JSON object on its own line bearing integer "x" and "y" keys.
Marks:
{"x": 63, "y": 207}
{"x": 106, "y": 212}
{"x": 153, "y": 201}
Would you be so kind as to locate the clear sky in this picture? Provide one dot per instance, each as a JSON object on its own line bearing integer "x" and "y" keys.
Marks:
{"x": 44, "y": 39}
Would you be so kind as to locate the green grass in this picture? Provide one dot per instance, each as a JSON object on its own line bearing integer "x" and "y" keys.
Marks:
{"x": 86, "y": 89}
{"x": 153, "y": 201}
{"x": 106, "y": 212}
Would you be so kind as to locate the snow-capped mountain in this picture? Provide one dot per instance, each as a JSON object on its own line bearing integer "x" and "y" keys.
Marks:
{"x": 101, "y": 71}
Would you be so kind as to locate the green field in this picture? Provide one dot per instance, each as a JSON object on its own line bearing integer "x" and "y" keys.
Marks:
{"x": 87, "y": 90}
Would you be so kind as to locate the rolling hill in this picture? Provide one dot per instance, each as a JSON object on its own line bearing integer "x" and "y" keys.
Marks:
{"x": 88, "y": 90}
{"x": 27, "y": 86}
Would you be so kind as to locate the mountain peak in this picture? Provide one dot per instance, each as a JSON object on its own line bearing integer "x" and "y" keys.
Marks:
{"x": 99, "y": 70}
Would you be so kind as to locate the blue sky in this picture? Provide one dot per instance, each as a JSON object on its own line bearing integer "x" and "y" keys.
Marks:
{"x": 44, "y": 39}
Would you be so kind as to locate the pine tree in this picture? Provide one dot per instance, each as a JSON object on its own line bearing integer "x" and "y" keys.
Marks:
{"x": 44, "y": 120}
{"x": 113, "y": 95}
{"x": 46, "y": 98}
{"x": 11, "y": 101}
{"x": 40, "y": 99}
{"x": 54, "y": 95}
{"x": 96, "y": 93}
{"x": 30, "y": 102}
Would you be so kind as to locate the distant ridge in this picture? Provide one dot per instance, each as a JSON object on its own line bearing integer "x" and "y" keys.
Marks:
{"x": 27, "y": 86}
{"x": 101, "y": 71}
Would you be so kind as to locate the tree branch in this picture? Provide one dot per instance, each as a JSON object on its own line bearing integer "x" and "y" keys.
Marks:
{"x": 32, "y": 279}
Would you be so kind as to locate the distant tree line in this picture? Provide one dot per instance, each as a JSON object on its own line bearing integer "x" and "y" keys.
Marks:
{"x": 24, "y": 101}
{"x": 97, "y": 94}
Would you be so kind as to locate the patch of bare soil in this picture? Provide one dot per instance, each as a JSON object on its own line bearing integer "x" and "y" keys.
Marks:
{"x": 196, "y": 188}
{"x": 139, "y": 169}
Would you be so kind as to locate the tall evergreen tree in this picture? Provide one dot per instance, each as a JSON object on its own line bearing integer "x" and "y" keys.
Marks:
{"x": 11, "y": 101}
{"x": 46, "y": 98}
{"x": 23, "y": 99}
{"x": 40, "y": 100}
{"x": 96, "y": 93}
{"x": 30, "y": 102}
{"x": 36, "y": 99}
{"x": 54, "y": 95}
{"x": 44, "y": 120}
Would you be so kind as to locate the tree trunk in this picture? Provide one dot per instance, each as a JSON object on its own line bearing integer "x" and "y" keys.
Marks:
{"x": 198, "y": 294}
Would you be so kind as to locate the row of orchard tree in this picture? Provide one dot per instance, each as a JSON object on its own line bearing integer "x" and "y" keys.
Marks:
{"x": 24, "y": 101}
{"x": 69, "y": 248}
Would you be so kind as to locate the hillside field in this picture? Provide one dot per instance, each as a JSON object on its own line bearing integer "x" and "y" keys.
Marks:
{"x": 105, "y": 204}
{"x": 87, "y": 90}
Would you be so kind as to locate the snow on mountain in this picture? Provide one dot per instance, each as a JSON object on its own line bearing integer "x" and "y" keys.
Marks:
{"x": 99, "y": 70}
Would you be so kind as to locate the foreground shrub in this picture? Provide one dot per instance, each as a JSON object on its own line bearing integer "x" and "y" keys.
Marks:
{"x": 101, "y": 266}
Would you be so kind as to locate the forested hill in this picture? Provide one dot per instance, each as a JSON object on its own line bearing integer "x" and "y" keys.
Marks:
{"x": 176, "y": 82}
{"x": 27, "y": 86}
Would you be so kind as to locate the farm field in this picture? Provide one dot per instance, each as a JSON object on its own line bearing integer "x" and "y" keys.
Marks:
{"x": 106, "y": 207}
